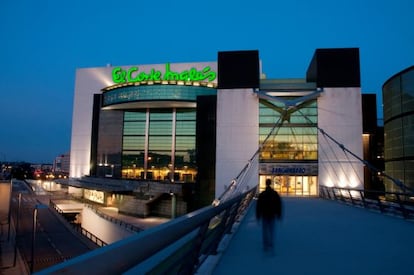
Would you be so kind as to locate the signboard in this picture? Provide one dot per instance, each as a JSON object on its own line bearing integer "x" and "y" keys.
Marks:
{"x": 134, "y": 74}
{"x": 288, "y": 169}
{"x": 94, "y": 195}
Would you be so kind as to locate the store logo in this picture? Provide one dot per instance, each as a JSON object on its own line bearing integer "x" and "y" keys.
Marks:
{"x": 133, "y": 74}
{"x": 288, "y": 170}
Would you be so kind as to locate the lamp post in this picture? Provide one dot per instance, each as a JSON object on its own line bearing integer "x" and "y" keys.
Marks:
{"x": 38, "y": 206}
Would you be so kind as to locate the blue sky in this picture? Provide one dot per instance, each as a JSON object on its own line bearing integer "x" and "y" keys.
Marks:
{"x": 44, "y": 42}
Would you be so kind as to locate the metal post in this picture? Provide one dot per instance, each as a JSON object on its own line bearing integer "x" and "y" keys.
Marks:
{"x": 173, "y": 205}
{"x": 33, "y": 238}
{"x": 38, "y": 206}
{"x": 10, "y": 204}
{"x": 17, "y": 229}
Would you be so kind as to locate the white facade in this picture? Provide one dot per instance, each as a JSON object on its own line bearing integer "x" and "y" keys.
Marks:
{"x": 237, "y": 135}
{"x": 237, "y": 129}
{"x": 340, "y": 116}
{"x": 90, "y": 81}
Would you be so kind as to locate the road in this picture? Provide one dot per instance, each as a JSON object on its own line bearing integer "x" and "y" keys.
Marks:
{"x": 54, "y": 241}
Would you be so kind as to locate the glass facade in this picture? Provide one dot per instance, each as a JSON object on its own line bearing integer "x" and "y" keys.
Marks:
{"x": 398, "y": 99}
{"x": 109, "y": 144}
{"x": 154, "y": 93}
{"x": 155, "y": 142}
{"x": 159, "y": 144}
{"x": 289, "y": 155}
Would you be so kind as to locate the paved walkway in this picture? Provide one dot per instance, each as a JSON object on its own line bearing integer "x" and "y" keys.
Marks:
{"x": 9, "y": 266}
{"x": 317, "y": 236}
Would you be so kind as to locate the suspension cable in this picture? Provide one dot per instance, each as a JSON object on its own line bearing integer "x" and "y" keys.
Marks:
{"x": 237, "y": 182}
{"x": 329, "y": 162}
{"x": 397, "y": 182}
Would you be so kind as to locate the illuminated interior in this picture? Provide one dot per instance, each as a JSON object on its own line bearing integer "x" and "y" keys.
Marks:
{"x": 292, "y": 185}
{"x": 291, "y": 148}
{"x": 159, "y": 144}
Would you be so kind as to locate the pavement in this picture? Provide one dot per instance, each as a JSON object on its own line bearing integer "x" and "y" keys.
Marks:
{"x": 321, "y": 237}
{"x": 11, "y": 262}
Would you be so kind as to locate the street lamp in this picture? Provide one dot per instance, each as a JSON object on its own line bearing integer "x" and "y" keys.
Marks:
{"x": 37, "y": 206}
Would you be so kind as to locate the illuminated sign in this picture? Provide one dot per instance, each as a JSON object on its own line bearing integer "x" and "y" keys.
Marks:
{"x": 288, "y": 170}
{"x": 133, "y": 74}
{"x": 94, "y": 195}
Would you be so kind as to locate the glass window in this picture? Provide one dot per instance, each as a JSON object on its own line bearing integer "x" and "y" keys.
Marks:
{"x": 184, "y": 143}
{"x": 155, "y": 92}
{"x": 134, "y": 116}
{"x": 407, "y": 84}
{"x": 109, "y": 148}
{"x": 408, "y": 129}
{"x": 294, "y": 139}
{"x": 391, "y": 97}
{"x": 185, "y": 131}
{"x": 133, "y": 142}
{"x": 393, "y": 141}
{"x": 134, "y": 128}
{"x": 185, "y": 127}
{"x": 159, "y": 143}
{"x": 153, "y": 159}
{"x": 186, "y": 114}
{"x": 160, "y": 128}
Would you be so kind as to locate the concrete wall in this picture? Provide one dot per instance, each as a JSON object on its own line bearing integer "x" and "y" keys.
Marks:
{"x": 88, "y": 82}
{"x": 4, "y": 201}
{"x": 340, "y": 116}
{"x": 160, "y": 207}
{"x": 237, "y": 135}
{"x": 107, "y": 231}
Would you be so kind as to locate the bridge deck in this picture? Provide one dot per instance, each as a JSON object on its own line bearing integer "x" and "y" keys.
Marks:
{"x": 317, "y": 236}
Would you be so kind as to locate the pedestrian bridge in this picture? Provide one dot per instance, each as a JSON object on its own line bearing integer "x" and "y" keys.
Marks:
{"x": 316, "y": 236}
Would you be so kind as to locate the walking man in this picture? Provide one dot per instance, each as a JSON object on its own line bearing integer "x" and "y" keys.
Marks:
{"x": 268, "y": 209}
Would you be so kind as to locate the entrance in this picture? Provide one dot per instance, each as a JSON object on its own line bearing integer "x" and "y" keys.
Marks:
{"x": 292, "y": 185}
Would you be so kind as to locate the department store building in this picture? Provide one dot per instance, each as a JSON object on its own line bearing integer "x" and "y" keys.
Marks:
{"x": 201, "y": 122}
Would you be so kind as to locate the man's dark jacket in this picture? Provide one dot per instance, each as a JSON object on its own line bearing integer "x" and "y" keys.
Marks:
{"x": 269, "y": 205}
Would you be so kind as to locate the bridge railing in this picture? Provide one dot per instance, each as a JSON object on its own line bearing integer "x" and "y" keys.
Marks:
{"x": 179, "y": 246}
{"x": 109, "y": 218}
{"x": 399, "y": 204}
{"x": 90, "y": 236}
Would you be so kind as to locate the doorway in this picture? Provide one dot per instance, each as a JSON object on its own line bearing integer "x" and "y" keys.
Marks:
{"x": 292, "y": 185}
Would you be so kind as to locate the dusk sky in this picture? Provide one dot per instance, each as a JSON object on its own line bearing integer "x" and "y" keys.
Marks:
{"x": 44, "y": 42}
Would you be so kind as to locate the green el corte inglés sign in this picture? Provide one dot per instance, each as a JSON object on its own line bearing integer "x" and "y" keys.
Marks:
{"x": 133, "y": 74}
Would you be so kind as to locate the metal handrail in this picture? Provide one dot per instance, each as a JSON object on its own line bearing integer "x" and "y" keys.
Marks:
{"x": 394, "y": 203}
{"x": 178, "y": 246}
{"x": 90, "y": 236}
{"x": 114, "y": 220}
